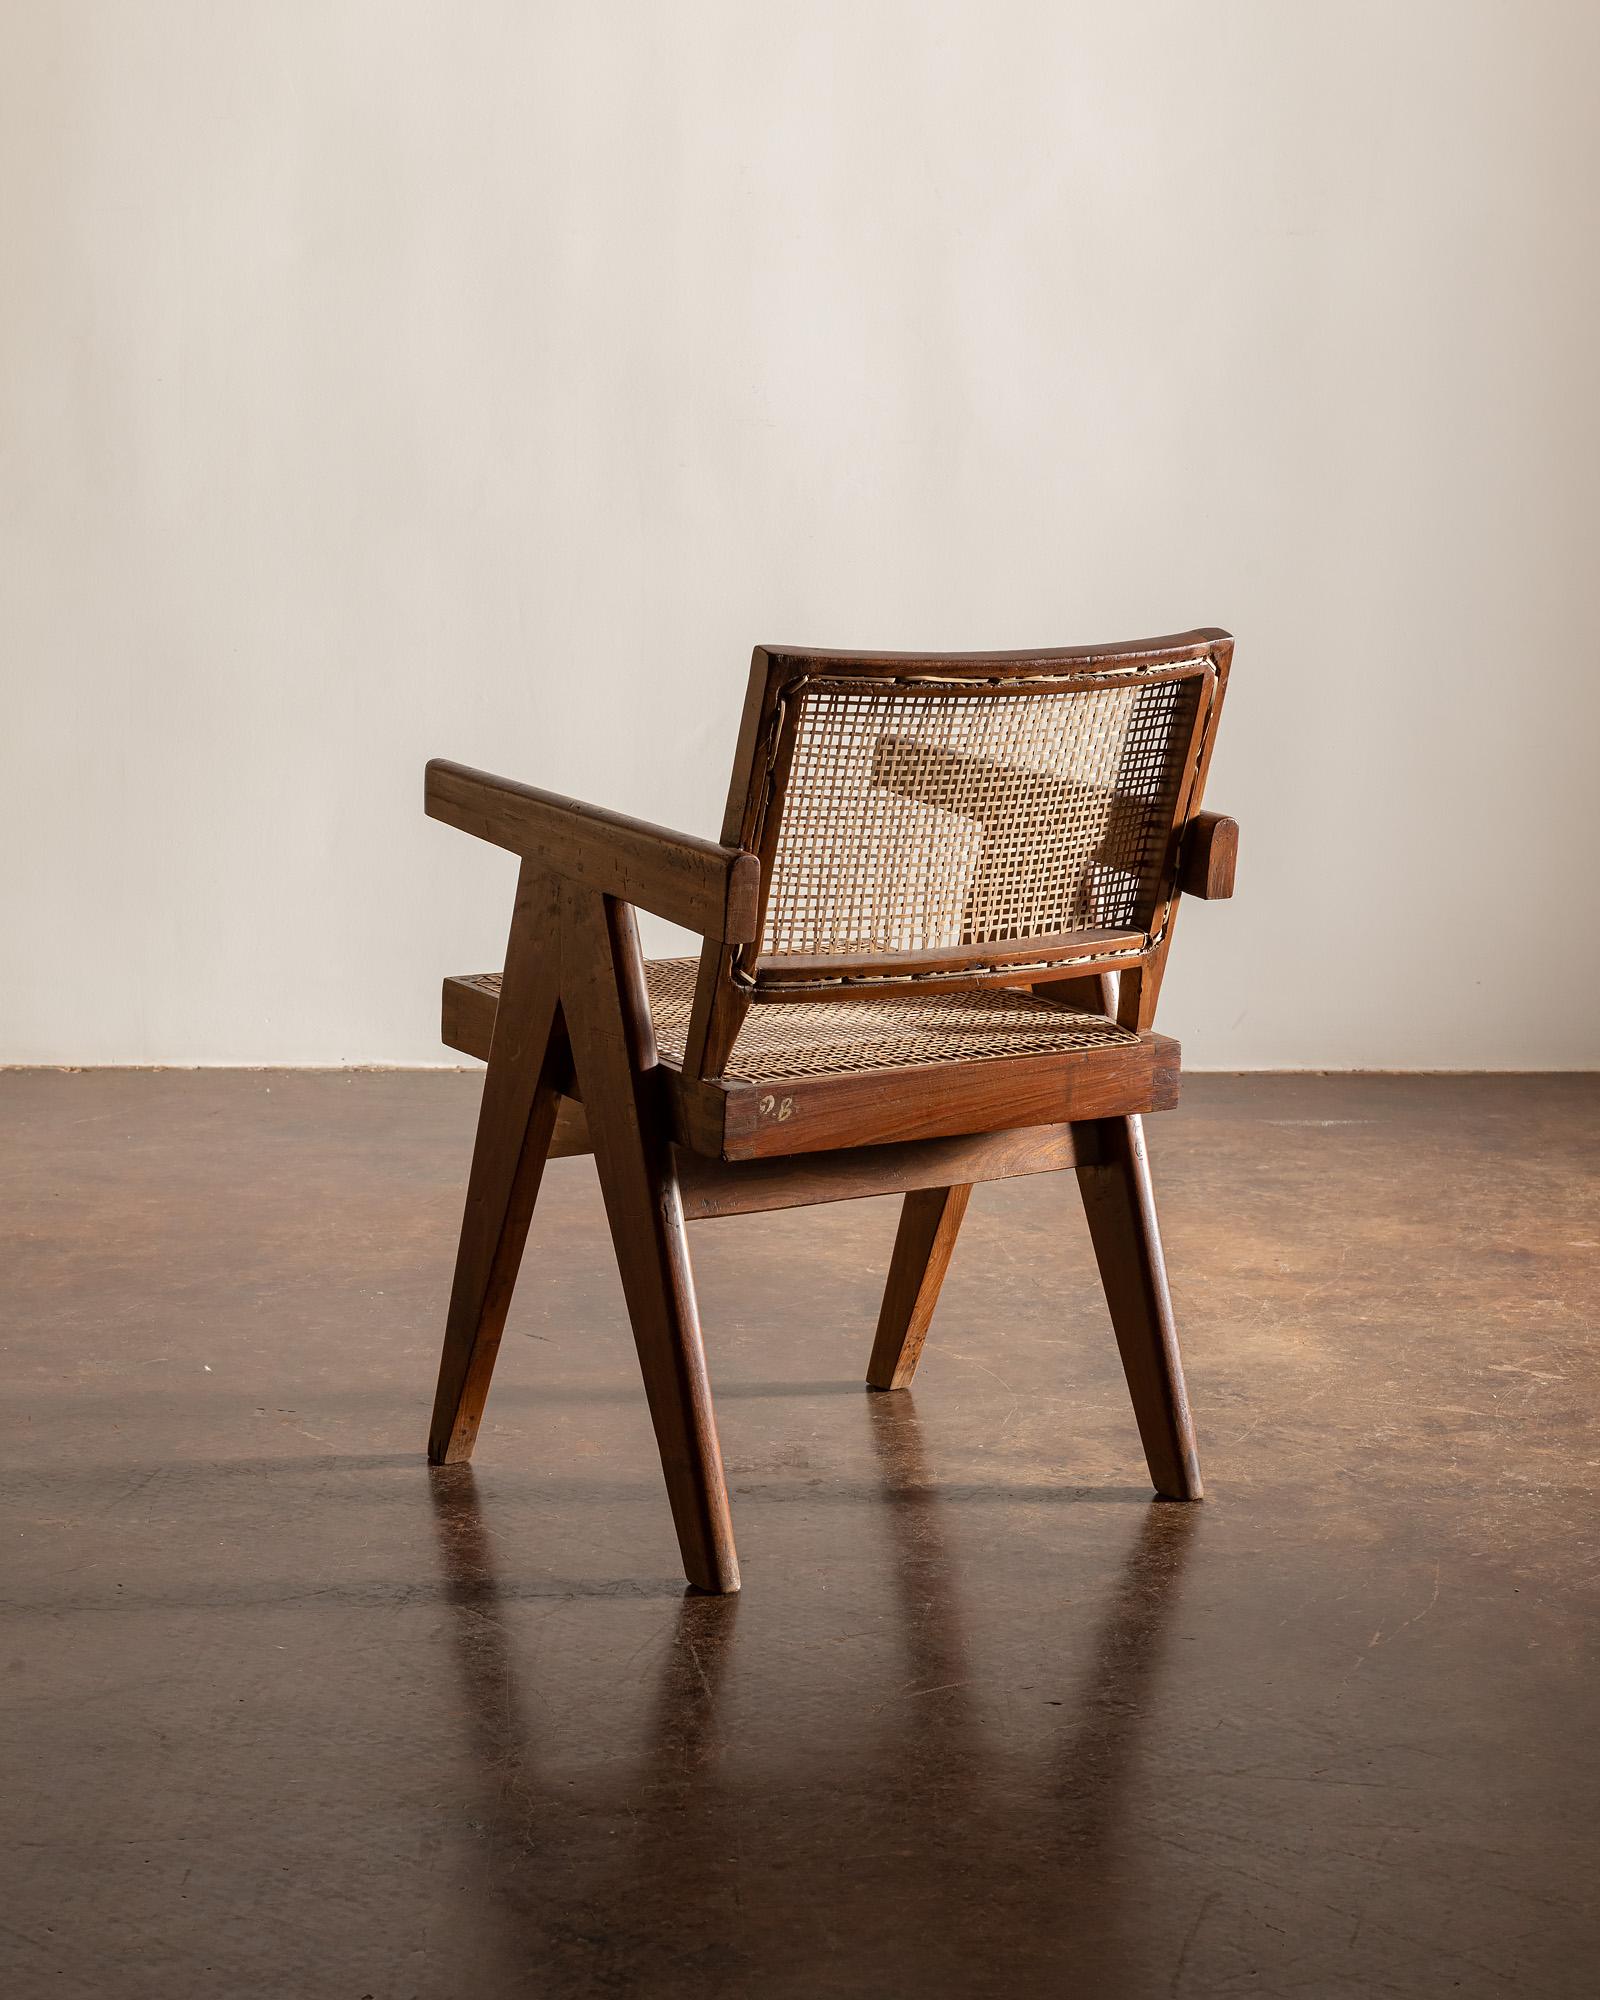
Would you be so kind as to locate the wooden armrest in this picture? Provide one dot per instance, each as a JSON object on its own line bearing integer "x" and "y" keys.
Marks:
{"x": 705, "y": 887}
{"x": 1210, "y": 853}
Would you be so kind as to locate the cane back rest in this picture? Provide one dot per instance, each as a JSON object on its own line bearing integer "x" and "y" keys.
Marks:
{"x": 968, "y": 820}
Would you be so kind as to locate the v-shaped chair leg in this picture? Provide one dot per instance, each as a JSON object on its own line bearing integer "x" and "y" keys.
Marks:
{"x": 521, "y": 1093}
{"x": 1114, "y": 1178}
{"x": 929, "y": 1223}
{"x": 607, "y": 1013}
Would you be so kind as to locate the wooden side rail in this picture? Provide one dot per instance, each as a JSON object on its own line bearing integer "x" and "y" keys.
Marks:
{"x": 1017, "y": 960}
{"x": 699, "y": 884}
{"x": 1210, "y": 855}
{"x": 712, "y": 1187}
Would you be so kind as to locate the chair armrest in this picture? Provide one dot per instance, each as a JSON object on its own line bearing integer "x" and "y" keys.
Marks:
{"x": 1210, "y": 852}
{"x": 700, "y": 884}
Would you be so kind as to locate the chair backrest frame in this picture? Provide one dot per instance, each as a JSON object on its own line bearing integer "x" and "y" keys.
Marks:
{"x": 732, "y": 978}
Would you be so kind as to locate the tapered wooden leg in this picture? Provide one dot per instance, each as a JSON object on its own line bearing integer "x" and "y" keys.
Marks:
{"x": 608, "y": 1018}
{"x": 1114, "y": 1177}
{"x": 520, "y": 1094}
{"x": 929, "y": 1222}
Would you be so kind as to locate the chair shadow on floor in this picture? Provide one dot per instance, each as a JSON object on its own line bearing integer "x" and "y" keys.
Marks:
{"x": 912, "y": 1834}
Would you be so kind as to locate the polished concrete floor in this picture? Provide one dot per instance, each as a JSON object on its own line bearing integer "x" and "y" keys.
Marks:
{"x": 287, "y": 1714}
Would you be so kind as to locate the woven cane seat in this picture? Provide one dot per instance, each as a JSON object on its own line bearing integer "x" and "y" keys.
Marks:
{"x": 836, "y": 1037}
{"x": 831, "y": 1037}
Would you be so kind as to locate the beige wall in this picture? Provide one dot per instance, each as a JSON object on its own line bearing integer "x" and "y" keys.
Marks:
{"x": 381, "y": 380}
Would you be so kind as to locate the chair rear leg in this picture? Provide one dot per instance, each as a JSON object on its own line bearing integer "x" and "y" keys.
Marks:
{"x": 608, "y": 1018}
{"x": 521, "y": 1093}
{"x": 1114, "y": 1179}
{"x": 929, "y": 1222}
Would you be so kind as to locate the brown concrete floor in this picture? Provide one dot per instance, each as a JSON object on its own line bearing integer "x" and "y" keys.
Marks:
{"x": 286, "y": 1714}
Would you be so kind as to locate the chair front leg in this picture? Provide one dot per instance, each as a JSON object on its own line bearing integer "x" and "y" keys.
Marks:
{"x": 1114, "y": 1179}
{"x": 929, "y": 1223}
{"x": 608, "y": 1017}
{"x": 521, "y": 1094}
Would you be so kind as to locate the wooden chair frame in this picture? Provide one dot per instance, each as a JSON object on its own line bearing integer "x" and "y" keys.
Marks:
{"x": 574, "y": 1067}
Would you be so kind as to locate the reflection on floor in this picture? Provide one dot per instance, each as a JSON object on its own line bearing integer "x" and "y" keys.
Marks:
{"x": 293, "y": 1715}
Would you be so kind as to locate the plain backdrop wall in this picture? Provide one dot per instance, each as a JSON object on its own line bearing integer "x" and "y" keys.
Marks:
{"x": 381, "y": 379}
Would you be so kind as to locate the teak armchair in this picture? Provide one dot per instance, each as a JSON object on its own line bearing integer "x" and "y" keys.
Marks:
{"x": 935, "y": 929}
